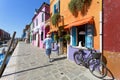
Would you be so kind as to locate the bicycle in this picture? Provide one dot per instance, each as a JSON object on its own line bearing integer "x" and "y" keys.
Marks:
{"x": 92, "y": 61}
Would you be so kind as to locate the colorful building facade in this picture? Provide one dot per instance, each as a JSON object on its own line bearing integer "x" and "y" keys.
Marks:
{"x": 111, "y": 39}
{"x": 31, "y": 32}
{"x": 84, "y": 29}
{"x": 27, "y": 33}
{"x": 4, "y": 35}
{"x": 40, "y": 29}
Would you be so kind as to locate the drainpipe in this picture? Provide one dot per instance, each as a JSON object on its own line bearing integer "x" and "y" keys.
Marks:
{"x": 101, "y": 28}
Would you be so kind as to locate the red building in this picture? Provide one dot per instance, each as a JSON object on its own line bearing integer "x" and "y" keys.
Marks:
{"x": 4, "y": 35}
{"x": 111, "y": 35}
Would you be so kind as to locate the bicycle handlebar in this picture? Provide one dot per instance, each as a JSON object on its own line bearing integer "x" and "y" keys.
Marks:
{"x": 92, "y": 50}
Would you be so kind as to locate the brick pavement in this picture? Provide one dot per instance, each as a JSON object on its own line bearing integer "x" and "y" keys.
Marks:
{"x": 30, "y": 63}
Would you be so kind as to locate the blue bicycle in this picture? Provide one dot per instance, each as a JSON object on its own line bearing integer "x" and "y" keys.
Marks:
{"x": 92, "y": 61}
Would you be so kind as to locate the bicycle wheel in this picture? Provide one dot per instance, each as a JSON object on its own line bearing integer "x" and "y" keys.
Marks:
{"x": 78, "y": 58}
{"x": 97, "y": 68}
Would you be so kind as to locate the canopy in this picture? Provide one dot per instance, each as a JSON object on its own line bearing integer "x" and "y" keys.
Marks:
{"x": 80, "y": 22}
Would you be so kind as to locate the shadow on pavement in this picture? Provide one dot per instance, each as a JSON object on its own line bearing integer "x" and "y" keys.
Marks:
{"x": 26, "y": 70}
{"x": 110, "y": 75}
{"x": 60, "y": 58}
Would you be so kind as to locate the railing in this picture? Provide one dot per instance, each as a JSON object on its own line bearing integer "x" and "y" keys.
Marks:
{"x": 9, "y": 52}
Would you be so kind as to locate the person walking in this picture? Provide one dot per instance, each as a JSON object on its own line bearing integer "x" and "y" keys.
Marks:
{"x": 47, "y": 44}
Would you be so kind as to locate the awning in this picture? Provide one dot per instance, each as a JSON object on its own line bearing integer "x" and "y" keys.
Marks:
{"x": 80, "y": 22}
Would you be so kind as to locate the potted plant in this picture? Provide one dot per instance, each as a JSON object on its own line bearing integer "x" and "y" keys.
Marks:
{"x": 55, "y": 19}
{"x": 56, "y": 38}
{"x": 67, "y": 38}
{"x": 78, "y": 5}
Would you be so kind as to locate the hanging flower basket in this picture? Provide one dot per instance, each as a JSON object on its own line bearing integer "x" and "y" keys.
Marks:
{"x": 78, "y": 5}
{"x": 67, "y": 38}
{"x": 55, "y": 18}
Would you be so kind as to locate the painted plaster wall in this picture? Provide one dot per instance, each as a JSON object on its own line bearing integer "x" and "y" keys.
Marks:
{"x": 94, "y": 10}
{"x": 31, "y": 29}
{"x": 41, "y": 25}
{"x": 47, "y": 9}
{"x": 33, "y": 42}
{"x": 111, "y": 38}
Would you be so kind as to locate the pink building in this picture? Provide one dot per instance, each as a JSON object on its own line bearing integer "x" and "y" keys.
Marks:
{"x": 40, "y": 28}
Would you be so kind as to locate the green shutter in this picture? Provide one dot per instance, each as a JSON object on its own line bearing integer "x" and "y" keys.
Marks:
{"x": 54, "y": 8}
{"x": 89, "y": 36}
{"x": 58, "y": 6}
{"x": 74, "y": 36}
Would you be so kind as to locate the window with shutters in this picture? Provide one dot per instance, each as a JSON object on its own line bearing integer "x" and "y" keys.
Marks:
{"x": 42, "y": 17}
{"x": 36, "y": 22}
{"x": 56, "y": 7}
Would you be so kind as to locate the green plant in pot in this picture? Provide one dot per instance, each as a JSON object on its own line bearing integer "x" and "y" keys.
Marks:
{"x": 78, "y": 5}
{"x": 67, "y": 38}
{"x": 55, "y": 19}
{"x": 56, "y": 38}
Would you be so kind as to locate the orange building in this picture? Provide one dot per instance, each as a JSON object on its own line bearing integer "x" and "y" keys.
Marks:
{"x": 84, "y": 27}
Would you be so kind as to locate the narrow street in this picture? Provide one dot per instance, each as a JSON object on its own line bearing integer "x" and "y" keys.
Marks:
{"x": 30, "y": 63}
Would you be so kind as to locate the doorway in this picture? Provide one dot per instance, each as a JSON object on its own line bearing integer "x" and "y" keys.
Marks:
{"x": 64, "y": 42}
{"x": 81, "y": 35}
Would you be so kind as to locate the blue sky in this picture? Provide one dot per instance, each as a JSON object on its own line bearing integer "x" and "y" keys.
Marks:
{"x": 16, "y": 14}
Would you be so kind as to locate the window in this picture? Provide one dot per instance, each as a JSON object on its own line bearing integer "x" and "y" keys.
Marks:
{"x": 33, "y": 24}
{"x": 41, "y": 35}
{"x": 74, "y": 36}
{"x": 34, "y": 37}
{"x": 36, "y": 22}
{"x": 56, "y": 7}
{"x": 89, "y": 36}
{"x": 81, "y": 35}
{"x": 84, "y": 36}
{"x": 42, "y": 17}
